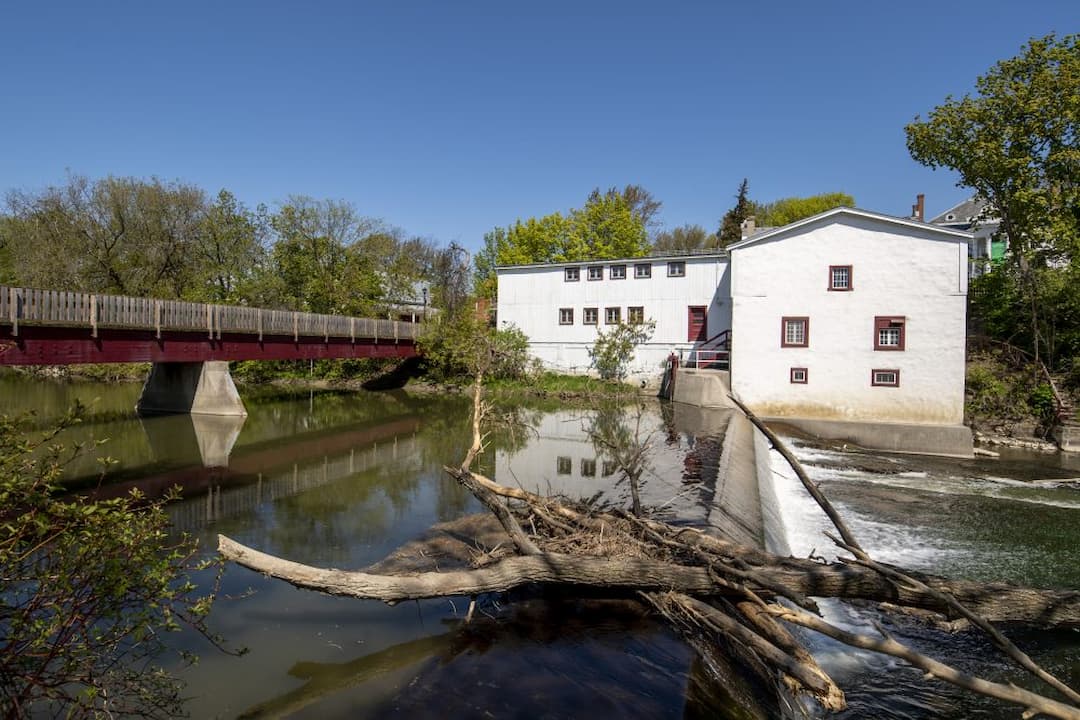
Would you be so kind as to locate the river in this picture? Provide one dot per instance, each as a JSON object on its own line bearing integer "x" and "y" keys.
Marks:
{"x": 340, "y": 480}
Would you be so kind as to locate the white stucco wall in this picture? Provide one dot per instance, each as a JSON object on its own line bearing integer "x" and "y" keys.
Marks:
{"x": 898, "y": 269}
{"x": 530, "y": 297}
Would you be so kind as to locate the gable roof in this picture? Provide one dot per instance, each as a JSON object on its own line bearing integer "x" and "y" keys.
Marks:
{"x": 963, "y": 213}
{"x": 851, "y": 212}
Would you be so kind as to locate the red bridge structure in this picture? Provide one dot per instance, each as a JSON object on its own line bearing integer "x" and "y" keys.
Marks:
{"x": 188, "y": 343}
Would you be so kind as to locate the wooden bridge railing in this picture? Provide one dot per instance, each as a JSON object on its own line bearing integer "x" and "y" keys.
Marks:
{"x": 25, "y": 306}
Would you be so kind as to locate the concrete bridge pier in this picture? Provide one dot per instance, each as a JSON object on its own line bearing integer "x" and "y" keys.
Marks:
{"x": 190, "y": 387}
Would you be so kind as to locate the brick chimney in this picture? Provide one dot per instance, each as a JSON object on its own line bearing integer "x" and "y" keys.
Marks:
{"x": 918, "y": 210}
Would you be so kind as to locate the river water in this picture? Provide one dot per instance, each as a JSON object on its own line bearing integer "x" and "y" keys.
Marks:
{"x": 340, "y": 480}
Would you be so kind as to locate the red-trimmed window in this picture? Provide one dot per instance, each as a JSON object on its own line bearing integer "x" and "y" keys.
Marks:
{"x": 566, "y": 316}
{"x": 589, "y": 316}
{"x": 596, "y": 272}
{"x": 889, "y": 332}
{"x": 840, "y": 278}
{"x": 617, "y": 272}
{"x": 572, "y": 274}
{"x": 794, "y": 331}
{"x": 885, "y": 378}
{"x": 800, "y": 376}
{"x": 612, "y": 316}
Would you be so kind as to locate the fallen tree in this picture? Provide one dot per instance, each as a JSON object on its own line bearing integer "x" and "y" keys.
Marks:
{"x": 708, "y": 587}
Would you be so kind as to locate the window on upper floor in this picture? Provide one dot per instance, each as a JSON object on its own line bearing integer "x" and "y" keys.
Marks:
{"x": 643, "y": 270}
{"x": 799, "y": 376}
{"x": 612, "y": 315}
{"x": 794, "y": 332}
{"x": 617, "y": 272}
{"x": 572, "y": 274}
{"x": 596, "y": 272}
{"x": 566, "y": 316}
{"x": 589, "y": 316}
{"x": 889, "y": 333}
{"x": 635, "y": 315}
{"x": 840, "y": 278}
{"x": 885, "y": 378}
{"x": 676, "y": 268}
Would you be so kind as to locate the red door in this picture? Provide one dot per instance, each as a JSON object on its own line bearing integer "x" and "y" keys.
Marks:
{"x": 697, "y": 329}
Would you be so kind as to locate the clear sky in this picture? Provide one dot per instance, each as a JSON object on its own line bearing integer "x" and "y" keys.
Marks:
{"x": 447, "y": 118}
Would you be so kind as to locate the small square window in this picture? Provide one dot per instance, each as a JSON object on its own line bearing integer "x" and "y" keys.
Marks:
{"x": 566, "y": 316}
{"x": 676, "y": 268}
{"x": 588, "y": 468}
{"x": 589, "y": 316}
{"x": 612, "y": 316}
{"x": 799, "y": 376}
{"x": 885, "y": 378}
{"x": 596, "y": 272}
{"x": 840, "y": 278}
{"x": 573, "y": 274}
{"x": 889, "y": 333}
{"x": 609, "y": 468}
{"x": 617, "y": 272}
{"x": 563, "y": 465}
{"x": 795, "y": 332}
{"x": 643, "y": 271}
{"x": 635, "y": 315}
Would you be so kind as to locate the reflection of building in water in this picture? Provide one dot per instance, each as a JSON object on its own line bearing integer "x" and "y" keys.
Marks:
{"x": 222, "y": 501}
{"x": 562, "y": 459}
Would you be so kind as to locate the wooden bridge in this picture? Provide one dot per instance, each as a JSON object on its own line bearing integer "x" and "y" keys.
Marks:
{"x": 189, "y": 343}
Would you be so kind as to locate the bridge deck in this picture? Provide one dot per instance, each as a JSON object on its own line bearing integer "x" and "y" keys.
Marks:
{"x": 55, "y": 327}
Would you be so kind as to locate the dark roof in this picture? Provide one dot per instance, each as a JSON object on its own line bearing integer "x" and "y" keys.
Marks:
{"x": 963, "y": 213}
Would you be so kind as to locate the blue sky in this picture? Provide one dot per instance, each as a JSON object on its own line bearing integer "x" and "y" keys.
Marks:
{"x": 450, "y": 118}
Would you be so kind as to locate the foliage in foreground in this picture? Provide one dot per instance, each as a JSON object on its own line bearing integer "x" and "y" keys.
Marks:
{"x": 89, "y": 588}
{"x": 613, "y": 350}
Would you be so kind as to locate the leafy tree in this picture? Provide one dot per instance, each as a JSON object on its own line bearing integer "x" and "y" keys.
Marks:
{"x": 229, "y": 250}
{"x": 607, "y": 227}
{"x": 613, "y": 349}
{"x": 89, "y": 588}
{"x": 684, "y": 239}
{"x": 732, "y": 222}
{"x": 463, "y": 346}
{"x": 319, "y": 259}
{"x": 788, "y": 210}
{"x": 118, "y": 235}
{"x": 1015, "y": 143}
{"x": 642, "y": 204}
{"x": 610, "y": 225}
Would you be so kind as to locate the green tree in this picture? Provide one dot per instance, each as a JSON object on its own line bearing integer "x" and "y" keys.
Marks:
{"x": 605, "y": 228}
{"x": 788, "y": 210}
{"x": 684, "y": 239}
{"x": 319, "y": 258}
{"x": 732, "y": 223}
{"x": 116, "y": 235}
{"x": 1015, "y": 143}
{"x": 461, "y": 346}
{"x": 229, "y": 250}
{"x": 610, "y": 225}
{"x": 89, "y": 589}
{"x": 613, "y": 350}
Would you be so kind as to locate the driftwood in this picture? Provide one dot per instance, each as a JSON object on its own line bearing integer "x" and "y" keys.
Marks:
{"x": 706, "y": 586}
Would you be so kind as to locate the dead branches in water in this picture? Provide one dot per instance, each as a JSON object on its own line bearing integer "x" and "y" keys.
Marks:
{"x": 713, "y": 590}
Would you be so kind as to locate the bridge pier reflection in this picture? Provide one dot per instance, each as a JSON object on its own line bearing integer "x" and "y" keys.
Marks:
{"x": 180, "y": 437}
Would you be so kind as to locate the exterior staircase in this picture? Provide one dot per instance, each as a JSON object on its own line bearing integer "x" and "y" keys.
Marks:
{"x": 713, "y": 354}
